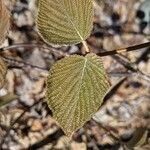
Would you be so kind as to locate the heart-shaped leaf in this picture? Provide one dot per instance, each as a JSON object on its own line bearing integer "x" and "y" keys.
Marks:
{"x": 76, "y": 87}
{"x": 65, "y": 21}
{"x": 4, "y": 21}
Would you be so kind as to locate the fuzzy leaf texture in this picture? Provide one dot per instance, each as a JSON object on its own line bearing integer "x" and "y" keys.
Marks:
{"x": 76, "y": 87}
{"x": 4, "y": 21}
{"x": 65, "y": 21}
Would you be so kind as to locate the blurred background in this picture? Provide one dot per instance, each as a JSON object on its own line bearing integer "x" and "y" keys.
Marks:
{"x": 123, "y": 121}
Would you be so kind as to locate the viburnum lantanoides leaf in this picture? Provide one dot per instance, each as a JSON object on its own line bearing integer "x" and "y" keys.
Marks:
{"x": 76, "y": 86}
{"x": 65, "y": 21}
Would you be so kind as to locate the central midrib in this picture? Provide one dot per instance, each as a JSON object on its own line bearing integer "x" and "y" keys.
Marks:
{"x": 72, "y": 23}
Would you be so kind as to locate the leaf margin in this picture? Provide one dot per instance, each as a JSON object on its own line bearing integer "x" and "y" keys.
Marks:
{"x": 88, "y": 118}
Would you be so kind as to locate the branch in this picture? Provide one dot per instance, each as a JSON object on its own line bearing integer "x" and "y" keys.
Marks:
{"x": 109, "y": 130}
{"x": 21, "y": 64}
{"x": 131, "y": 66}
{"x": 54, "y": 50}
{"x": 126, "y": 63}
{"x": 33, "y": 45}
{"x": 63, "y": 54}
{"x": 48, "y": 139}
{"x": 127, "y": 49}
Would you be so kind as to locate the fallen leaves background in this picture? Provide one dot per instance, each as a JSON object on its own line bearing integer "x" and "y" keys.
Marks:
{"x": 27, "y": 123}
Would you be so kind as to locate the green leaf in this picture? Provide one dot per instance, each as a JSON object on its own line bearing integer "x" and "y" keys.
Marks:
{"x": 65, "y": 21}
{"x": 4, "y": 21}
{"x": 76, "y": 87}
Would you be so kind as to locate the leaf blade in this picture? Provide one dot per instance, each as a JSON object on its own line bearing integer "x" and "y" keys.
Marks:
{"x": 77, "y": 94}
{"x": 65, "y": 21}
{"x": 7, "y": 99}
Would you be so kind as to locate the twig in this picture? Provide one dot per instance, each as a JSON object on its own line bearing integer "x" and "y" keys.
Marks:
{"x": 33, "y": 45}
{"x": 118, "y": 58}
{"x": 48, "y": 139}
{"x": 125, "y": 63}
{"x": 86, "y": 47}
{"x": 120, "y": 74}
{"x": 22, "y": 63}
{"x": 131, "y": 66}
{"x": 53, "y": 50}
{"x": 100, "y": 125}
{"x": 127, "y": 49}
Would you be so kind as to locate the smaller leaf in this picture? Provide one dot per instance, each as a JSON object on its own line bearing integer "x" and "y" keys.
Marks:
{"x": 7, "y": 99}
{"x": 65, "y": 21}
{"x": 4, "y": 21}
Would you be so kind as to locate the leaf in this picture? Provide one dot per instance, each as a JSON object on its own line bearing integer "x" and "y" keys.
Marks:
{"x": 139, "y": 138}
{"x": 76, "y": 87}
{"x": 7, "y": 99}
{"x": 65, "y": 21}
{"x": 4, "y": 21}
{"x": 3, "y": 70}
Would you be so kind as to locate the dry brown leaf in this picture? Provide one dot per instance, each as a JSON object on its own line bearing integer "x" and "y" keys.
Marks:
{"x": 3, "y": 70}
{"x": 4, "y": 21}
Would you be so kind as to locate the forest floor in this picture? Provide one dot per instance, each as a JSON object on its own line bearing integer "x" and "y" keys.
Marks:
{"x": 27, "y": 122}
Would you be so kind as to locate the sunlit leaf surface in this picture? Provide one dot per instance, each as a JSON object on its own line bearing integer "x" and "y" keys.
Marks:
{"x": 76, "y": 87}
{"x": 65, "y": 21}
